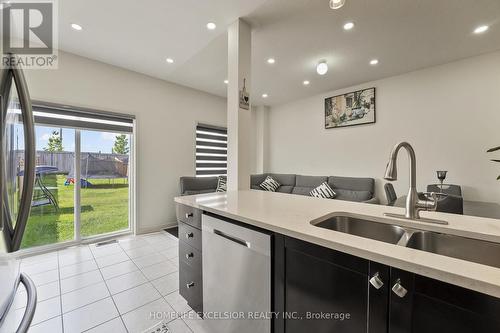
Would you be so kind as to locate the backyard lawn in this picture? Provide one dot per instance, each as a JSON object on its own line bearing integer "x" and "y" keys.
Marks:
{"x": 104, "y": 208}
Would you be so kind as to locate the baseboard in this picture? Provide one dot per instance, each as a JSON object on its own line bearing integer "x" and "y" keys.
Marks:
{"x": 172, "y": 226}
{"x": 156, "y": 228}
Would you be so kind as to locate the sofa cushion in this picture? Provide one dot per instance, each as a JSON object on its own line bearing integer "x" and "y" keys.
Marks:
{"x": 323, "y": 191}
{"x": 194, "y": 185}
{"x": 285, "y": 189}
{"x": 191, "y": 192}
{"x": 221, "y": 184}
{"x": 302, "y": 190}
{"x": 309, "y": 181}
{"x": 282, "y": 178}
{"x": 305, "y": 184}
{"x": 270, "y": 184}
{"x": 351, "y": 195}
{"x": 352, "y": 183}
{"x": 281, "y": 189}
{"x": 256, "y": 180}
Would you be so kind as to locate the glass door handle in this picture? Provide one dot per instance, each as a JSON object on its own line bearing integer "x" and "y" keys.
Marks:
{"x": 5, "y": 222}
{"x": 29, "y": 312}
{"x": 30, "y": 156}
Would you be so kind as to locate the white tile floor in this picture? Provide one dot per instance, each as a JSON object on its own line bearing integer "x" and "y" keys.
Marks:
{"x": 112, "y": 288}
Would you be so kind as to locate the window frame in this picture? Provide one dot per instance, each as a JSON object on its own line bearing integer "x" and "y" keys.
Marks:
{"x": 106, "y": 124}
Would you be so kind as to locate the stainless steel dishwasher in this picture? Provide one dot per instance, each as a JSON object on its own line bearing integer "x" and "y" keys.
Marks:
{"x": 236, "y": 277}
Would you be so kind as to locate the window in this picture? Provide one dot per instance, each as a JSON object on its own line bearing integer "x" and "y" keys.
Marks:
{"x": 211, "y": 151}
{"x": 83, "y": 187}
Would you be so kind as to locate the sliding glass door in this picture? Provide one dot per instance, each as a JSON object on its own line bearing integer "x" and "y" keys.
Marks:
{"x": 52, "y": 210}
{"x": 83, "y": 176}
{"x": 104, "y": 161}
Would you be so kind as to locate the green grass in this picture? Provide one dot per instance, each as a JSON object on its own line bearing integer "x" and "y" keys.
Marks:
{"x": 104, "y": 208}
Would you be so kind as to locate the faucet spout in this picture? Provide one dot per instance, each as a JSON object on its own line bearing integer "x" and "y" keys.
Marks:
{"x": 391, "y": 172}
{"x": 413, "y": 204}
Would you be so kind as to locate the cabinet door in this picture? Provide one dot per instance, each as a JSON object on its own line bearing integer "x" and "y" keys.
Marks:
{"x": 434, "y": 306}
{"x": 329, "y": 291}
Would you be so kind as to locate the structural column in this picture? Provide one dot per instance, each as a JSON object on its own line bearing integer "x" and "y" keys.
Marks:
{"x": 238, "y": 113}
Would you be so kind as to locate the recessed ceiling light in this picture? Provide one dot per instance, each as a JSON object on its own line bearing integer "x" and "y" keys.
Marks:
{"x": 226, "y": 81}
{"x": 76, "y": 26}
{"x": 264, "y": 95}
{"x": 374, "y": 62}
{"x": 322, "y": 68}
{"x": 306, "y": 83}
{"x": 336, "y": 4}
{"x": 348, "y": 26}
{"x": 481, "y": 29}
{"x": 170, "y": 60}
{"x": 271, "y": 61}
{"x": 211, "y": 26}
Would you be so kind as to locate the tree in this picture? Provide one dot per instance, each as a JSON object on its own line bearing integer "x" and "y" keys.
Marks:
{"x": 121, "y": 144}
{"x": 55, "y": 142}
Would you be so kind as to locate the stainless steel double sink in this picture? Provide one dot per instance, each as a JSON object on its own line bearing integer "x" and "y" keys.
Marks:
{"x": 474, "y": 250}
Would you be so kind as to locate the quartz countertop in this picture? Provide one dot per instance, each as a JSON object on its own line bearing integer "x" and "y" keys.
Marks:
{"x": 291, "y": 215}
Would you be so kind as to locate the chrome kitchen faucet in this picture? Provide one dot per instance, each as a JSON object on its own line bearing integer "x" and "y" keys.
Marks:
{"x": 413, "y": 203}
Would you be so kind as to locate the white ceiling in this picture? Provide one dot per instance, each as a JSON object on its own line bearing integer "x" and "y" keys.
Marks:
{"x": 404, "y": 35}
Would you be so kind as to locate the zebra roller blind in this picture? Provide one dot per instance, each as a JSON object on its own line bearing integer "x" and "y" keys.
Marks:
{"x": 211, "y": 151}
{"x": 66, "y": 116}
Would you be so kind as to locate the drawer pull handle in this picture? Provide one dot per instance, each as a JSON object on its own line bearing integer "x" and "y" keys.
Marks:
{"x": 376, "y": 281}
{"x": 189, "y": 255}
{"x": 188, "y": 215}
{"x": 398, "y": 289}
{"x": 190, "y": 285}
{"x": 189, "y": 235}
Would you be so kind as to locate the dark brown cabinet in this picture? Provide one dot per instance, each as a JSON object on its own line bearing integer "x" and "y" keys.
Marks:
{"x": 328, "y": 291}
{"x": 358, "y": 295}
{"x": 433, "y": 306}
{"x": 190, "y": 256}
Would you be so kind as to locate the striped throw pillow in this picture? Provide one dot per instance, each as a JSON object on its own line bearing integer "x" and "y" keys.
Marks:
{"x": 323, "y": 191}
{"x": 221, "y": 184}
{"x": 269, "y": 184}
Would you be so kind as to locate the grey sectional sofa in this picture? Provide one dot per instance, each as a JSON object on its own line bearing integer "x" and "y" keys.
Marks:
{"x": 346, "y": 188}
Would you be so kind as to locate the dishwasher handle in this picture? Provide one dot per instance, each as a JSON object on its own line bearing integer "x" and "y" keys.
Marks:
{"x": 30, "y": 307}
{"x": 232, "y": 238}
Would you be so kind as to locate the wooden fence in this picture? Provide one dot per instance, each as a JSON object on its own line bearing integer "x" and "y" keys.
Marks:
{"x": 64, "y": 160}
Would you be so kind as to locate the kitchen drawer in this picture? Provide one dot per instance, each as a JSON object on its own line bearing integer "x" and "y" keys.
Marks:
{"x": 190, "y": 255}
{"x": 189, "y": 215}
{"x": 190, "y": 235}
{"x": 191, "y": 286}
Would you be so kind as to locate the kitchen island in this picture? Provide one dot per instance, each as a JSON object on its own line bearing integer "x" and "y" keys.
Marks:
{"x": 433, "y": 282}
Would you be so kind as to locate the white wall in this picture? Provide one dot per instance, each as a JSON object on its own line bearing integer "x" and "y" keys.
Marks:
{"x": 450, "y": 113}
{"x": 259, "y": 139}
{"x": 166, "y": 117}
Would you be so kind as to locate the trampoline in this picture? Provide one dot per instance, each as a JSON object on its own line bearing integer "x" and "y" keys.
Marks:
{"x": 93, "y": 167}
